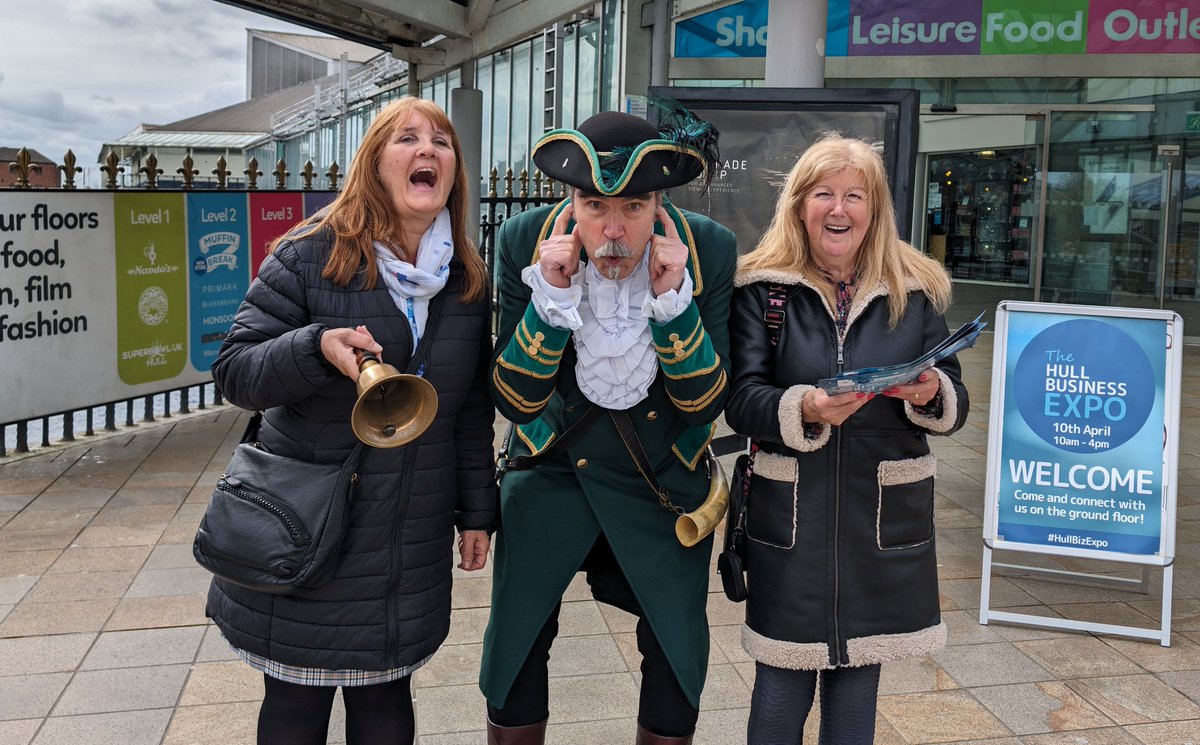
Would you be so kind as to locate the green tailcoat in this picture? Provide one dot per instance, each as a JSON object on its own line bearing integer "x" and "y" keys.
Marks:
{"x": 553, "y": 513}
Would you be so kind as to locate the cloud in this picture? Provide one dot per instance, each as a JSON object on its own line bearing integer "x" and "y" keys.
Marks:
{"x": 127, "y": 62}
{"x": 49, "y": 106}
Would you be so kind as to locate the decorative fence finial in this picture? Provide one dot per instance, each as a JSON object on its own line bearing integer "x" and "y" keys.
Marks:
{"x": 69, "y": 169}
{"x": 332, "y": 173}
{"x": 524, "y": 179}
{"x": 111, "y": 169}
{"x": 508, "y": 179}
{"x": 281, "y": 173}
{"x": 493, "y": 177}
{"x": 22, "y": 167}
{"x": 307, "y": 173}
{"x": 221, "y": 173}
{"x": 252, "y": 174}
{"x": 188, "y": 171}
{"x": 152, "y": 171}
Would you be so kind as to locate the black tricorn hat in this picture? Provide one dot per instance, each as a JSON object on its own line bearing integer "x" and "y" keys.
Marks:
{"x": 615, "y": 154}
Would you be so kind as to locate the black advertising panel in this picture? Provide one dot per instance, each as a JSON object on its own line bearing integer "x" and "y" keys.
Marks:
{"x": 764, "y": 131}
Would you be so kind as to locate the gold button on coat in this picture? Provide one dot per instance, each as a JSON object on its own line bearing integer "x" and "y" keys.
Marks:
{"x": 581, "y": 463}
{"x": 652, "y": 415}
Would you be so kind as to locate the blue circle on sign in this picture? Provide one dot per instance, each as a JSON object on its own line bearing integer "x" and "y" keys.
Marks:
{"x": 1084, "y": 386}
{"x": 200, "y": 266}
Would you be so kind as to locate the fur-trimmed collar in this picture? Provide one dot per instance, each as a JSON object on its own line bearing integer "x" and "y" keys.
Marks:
{"x": 862, "y": 298}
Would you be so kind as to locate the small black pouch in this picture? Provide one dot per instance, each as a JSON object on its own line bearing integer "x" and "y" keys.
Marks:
{"x": 731, "y": 563}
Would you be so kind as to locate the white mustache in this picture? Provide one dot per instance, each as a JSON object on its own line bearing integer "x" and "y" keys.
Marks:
{"x": 614, "y": 250}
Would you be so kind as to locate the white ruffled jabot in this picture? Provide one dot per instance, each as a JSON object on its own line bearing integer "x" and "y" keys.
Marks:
{"x": 610, "y": 319}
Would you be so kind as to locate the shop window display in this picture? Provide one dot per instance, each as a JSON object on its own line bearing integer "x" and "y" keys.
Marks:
{"x": 980, "y": 213}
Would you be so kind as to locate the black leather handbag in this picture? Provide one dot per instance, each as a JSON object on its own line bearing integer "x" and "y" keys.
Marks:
{"x": 731, "y": 562}
{"x": 275, "y": 524}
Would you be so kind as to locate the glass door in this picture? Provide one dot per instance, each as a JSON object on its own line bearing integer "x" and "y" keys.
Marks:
{"x": 981, "y": 206}
{"x": 1181, "y": 265}
{"x": 1104, "y": 211}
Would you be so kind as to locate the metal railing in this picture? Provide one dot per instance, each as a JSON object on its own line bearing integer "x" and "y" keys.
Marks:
{"x": 62, "y": 425}
{"x": 150, "y": 173}
{"x": 497, "y": 207}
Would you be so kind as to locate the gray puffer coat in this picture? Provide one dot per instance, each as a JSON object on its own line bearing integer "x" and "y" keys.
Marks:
{"x": 388, "y": 604}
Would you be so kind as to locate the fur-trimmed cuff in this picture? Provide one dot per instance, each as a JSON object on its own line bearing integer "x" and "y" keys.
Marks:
{"x": 791, "y": 422}
{"x": 946, "y": 421}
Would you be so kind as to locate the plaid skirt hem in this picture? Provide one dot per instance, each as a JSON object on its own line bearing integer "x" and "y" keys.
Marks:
{"x": 316, "y": 676}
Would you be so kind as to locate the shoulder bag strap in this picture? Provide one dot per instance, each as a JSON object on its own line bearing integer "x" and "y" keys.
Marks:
{"x": 251, "y": 432}
{"x": 352, "y": 461}
{"x": 416, "y": 363}
{"x": 774, "y": 317}
{"x": 776, "y": 312}
{"x": 629, "y": 437}
{"x": 560, "y": 444}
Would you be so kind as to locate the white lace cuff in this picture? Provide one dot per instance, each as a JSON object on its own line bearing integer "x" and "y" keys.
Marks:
{"x": 669, "y": 305}
{"x": 557, "y": 306}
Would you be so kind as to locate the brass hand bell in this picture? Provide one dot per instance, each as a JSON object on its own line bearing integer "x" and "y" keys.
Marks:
{"x": 393, "y": 408}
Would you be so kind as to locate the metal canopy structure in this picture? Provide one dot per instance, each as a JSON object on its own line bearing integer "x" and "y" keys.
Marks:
{"x": 432, "y": 36}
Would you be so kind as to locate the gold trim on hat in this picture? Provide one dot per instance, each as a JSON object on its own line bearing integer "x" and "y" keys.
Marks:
{"x": 640, "y": 152}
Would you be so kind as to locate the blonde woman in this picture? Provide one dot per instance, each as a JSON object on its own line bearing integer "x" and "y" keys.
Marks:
{"x": 841, "y": 565}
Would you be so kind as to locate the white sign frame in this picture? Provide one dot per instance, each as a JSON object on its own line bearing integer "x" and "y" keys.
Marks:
{"x": 1164, "y": 557}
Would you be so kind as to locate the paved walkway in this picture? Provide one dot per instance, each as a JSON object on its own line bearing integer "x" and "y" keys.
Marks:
{"x": 103, "y": 639}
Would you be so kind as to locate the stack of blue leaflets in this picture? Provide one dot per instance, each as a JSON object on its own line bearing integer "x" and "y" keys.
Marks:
{"x": 876, "y": 379}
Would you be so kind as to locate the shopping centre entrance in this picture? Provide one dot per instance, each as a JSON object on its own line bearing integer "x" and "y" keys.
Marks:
{"x": 1073, "y": 204}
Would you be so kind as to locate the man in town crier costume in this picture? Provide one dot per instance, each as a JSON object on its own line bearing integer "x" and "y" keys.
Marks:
{"x": 612, "y": 361}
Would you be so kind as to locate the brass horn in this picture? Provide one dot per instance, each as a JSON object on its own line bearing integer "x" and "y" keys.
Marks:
{"x": 393, "y": 408}
{"x": 692, "y": 527}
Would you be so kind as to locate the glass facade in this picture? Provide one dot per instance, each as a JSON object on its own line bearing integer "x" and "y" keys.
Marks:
{"x": 1069, "y": 189}
{"x": 273, "y": 68}
{"x": 517, "y": 101}
{"x": 978, "y": 213}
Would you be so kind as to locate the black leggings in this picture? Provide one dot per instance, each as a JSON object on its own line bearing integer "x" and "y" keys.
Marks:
{"x": 292, "y": 714}
{"x": 782, "y": 699}
{"x": 663, "y": 709}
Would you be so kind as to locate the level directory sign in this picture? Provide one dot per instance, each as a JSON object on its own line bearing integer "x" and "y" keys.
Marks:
{"x": 218, "y": 257}
{"x": 151, "y": 259}
{"x": 1083, "y": 438}
{"x": 271, "y": 215}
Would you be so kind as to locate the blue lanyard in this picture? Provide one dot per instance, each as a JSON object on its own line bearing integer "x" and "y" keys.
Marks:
{"x": 410, "y": 314}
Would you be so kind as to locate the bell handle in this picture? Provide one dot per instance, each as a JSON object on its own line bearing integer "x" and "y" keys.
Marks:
{"x": 362, "y": 356}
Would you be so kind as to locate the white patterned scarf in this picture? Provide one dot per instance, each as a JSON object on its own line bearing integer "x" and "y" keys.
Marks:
{"x": 411, "y": 286}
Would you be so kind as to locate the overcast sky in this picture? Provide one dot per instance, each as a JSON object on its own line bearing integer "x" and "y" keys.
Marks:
{"x": 77, "y": 73}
